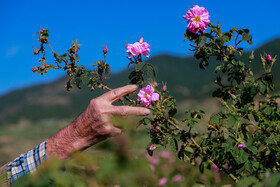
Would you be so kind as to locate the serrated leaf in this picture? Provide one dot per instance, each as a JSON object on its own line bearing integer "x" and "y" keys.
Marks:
{"x": 173, "y": 144}
{"x": 139, "y": 66}
{"x": 148, "y": 73}
{"x": 172, "y": 112}
{"x": 85, "y": 78}
{"x": 215, "y": 119}
{"x": 231, "y": 120}
{"x": 202, "y": 41}
{"x": 219, "y": 42}
{"x": 269, "y": 141}
{"x": 243, "y": 157}
{"x": 225, "y": 132}
{"x": 253, "y": 149}
{"x": 108, "y": 69}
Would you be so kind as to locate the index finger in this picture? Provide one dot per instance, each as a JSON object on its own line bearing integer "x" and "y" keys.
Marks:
{"x": 117, "y": 93}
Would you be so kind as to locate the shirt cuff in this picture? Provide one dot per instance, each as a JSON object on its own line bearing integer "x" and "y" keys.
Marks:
{"x": 27, "y": 162}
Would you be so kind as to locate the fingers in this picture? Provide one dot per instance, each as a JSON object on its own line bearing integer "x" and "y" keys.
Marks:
{"x": 117, "y": 93}
{"x": 130, "y": 110}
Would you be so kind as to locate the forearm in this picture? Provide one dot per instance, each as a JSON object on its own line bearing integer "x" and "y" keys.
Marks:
{"x": 71, "y": 138}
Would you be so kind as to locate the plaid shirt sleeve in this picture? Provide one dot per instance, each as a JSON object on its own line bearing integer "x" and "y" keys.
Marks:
{"x": 27, "y": 162}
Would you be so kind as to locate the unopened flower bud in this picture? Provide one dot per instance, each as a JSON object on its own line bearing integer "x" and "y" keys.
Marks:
{"x": 156, "y": 128}
{"x": 34, "y": 69}
{"x": 262, "y": 60}
{"x": 36, "y": 51}
{"x": 232, "y": 95}
{"x": 164, "y": 88}
{"x": 252, "y": 56}
{"x": 105, "y": 49}
{"x": 43, "y": 67}
{"x": 152, "y": 147}
{"x": 268, "y": 58}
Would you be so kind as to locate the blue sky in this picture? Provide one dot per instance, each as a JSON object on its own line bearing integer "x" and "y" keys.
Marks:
{"x": 95, "y": 23}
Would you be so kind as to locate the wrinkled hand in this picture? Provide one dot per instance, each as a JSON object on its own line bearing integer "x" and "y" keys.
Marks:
{"x": 94, "y": 124}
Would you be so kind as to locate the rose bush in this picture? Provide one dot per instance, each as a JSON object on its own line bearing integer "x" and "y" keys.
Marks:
{"x": 242, "y": 139}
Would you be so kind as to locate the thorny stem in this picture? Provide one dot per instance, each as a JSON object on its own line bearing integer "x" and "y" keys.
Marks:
{"x": 206, "y": 155}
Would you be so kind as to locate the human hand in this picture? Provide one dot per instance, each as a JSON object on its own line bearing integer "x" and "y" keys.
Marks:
{"x": 94, "y": 124}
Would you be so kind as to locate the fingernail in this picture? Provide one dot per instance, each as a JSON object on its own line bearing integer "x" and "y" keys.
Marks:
{"x": 147, "y": 111}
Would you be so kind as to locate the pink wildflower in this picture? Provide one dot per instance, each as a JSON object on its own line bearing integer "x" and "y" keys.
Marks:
{"x": 33, "y": 70}
{"x": 162, "y": 181}
{"x": 241, "y": 145}
{"x": 198, "y": 19}
{"x": 146, "y": 96}
{"x": 138, "y": 48}
{"x": 152, "y": 147}
{"x": 268, "y": 58}
{"x": 177, "y": 178}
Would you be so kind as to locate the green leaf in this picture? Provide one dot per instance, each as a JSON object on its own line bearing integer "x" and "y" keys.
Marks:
{"x": 149, "y": 72}
{"x": 253, "y": 149}
{"x": 219, "y": 42}
{"x": 173, "y": 144}
{"x": 226, "y": 133}
{"x": 231, "y": 120}
{"x": 269, "y": 141}
{"x": 226, "y": 37}
{"x": 202, "y": 41}
{"x": 139, "y": 66}
{"x": 215, "y": 119}
{"x": 243, "y": 157}
{"x": 85, "y": 78}
{"x": 261, "y": 87}
{"x": 96, "y": 63}
{"x": 108, "y": 69}
{"x": 201, "y": 167}
{"x": 249, "y": 167}
{"x": 188, "y": 149}
{"x": 172, "y": 112}
{"x": 274, "y": 180}
{"x": 247, "y": 182}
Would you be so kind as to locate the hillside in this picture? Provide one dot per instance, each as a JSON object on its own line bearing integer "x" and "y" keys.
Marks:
{"x": 184, "y": 80}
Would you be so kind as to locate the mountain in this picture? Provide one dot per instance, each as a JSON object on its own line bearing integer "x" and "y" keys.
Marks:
{"x": 185, "y": 81}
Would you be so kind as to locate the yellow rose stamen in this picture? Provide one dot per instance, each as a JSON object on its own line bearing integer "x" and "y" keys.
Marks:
{"x": 197, "y": 19}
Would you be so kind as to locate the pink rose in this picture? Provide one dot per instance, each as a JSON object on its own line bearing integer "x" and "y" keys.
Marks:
{"x": 138, "y": 48}
{"x": 198, "y": 19}
{"x": 146, "y": 96}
